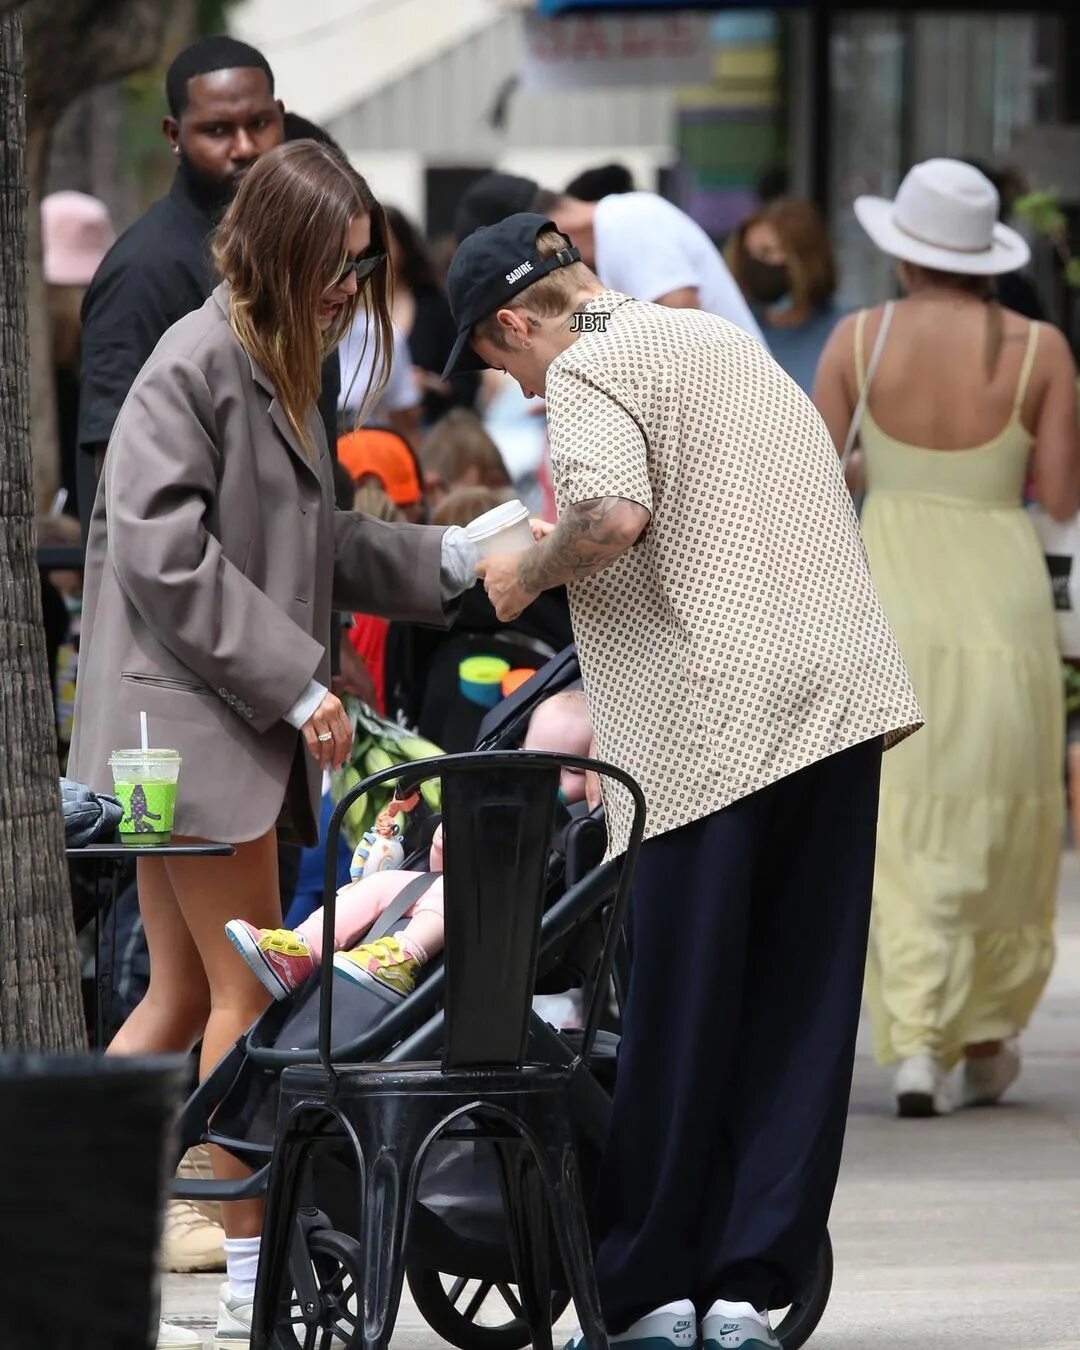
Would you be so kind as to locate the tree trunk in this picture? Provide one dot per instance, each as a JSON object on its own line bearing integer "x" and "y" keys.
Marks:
{"x": 40, "y": 1004}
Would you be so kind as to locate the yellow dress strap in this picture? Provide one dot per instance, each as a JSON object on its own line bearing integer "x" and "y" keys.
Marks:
{"x": 860, "y": 366}
{"x": 1025, "y": 369}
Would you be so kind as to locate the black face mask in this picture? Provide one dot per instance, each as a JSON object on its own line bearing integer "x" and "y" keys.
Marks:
{"x": 766, "y": 282}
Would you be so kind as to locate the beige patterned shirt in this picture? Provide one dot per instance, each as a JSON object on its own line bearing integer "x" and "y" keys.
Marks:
{"x": 741, "y": 639}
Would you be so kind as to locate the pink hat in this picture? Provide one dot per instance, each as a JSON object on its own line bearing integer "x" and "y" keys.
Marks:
{"x": 76, "y": 234}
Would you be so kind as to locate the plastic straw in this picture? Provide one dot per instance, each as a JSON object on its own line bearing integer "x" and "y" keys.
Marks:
{"x": 144, "y": 733}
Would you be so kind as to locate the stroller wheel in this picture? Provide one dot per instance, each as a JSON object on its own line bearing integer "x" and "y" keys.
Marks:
{"x": 337, "y": 1262}
{"x": 474, "y": 1314}
{"x": 800, "y": 1320}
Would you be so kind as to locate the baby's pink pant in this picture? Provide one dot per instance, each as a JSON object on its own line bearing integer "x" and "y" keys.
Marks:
{"x": 361, "y": 902}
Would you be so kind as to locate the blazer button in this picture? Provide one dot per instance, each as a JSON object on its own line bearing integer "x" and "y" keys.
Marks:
{"x": 224, "y": 693}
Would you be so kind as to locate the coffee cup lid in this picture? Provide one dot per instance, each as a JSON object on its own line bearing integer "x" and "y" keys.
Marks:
{"x": 497, "y": 519}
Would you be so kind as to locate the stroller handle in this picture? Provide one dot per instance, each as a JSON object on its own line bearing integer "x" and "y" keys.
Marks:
{"x": 419, "y": 771}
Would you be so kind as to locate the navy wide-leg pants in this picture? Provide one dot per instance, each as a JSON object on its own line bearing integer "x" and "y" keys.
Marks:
{"x": 748, "y": 933}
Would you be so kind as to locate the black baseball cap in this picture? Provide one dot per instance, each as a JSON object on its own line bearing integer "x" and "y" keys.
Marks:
{"x": 490, "y": 267}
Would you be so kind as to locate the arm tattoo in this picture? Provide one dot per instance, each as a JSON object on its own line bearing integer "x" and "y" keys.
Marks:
{"x": 588, "y": 538}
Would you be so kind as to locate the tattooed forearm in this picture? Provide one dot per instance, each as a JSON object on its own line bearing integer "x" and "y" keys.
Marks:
{"x": 588, "y": 538}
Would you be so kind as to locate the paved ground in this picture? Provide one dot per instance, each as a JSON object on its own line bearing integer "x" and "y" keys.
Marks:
{"x": 949, "y": 1234}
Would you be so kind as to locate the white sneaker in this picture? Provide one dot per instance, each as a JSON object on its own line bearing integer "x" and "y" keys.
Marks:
{"x": 675, "y": 1324}
{"x": 233, "y": 1321}
{"x": 919, "y": 1088}
{"x": 171, "y": 1337}
{"x": 736, "y": 1326}
{"x": 986, "y": 1080}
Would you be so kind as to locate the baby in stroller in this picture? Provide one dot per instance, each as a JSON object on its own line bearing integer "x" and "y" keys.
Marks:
{"x": 283, "y": 958}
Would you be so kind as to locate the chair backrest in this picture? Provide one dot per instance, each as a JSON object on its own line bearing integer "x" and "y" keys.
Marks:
{"x": 498, "y": 814}
{"x": 497, "y": 822}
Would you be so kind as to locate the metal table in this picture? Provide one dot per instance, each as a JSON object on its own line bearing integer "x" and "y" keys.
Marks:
{"x": 108, "y": 858}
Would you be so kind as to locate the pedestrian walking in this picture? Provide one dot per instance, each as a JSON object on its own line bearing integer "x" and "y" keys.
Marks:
{"x": 953, "y": 397}
{"x": 738, "y": 665}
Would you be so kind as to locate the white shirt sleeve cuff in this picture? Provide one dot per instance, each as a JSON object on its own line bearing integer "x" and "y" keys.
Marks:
{"x": 306, "y": 704}
{"x": 458, "y": 562}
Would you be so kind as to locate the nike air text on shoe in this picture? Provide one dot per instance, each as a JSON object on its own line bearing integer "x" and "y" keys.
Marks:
{"x": 673, "y": 1325}
{"x": 736, "y": 1326}
{"x": 177, "y": 1338}
{"x": 919, "y": 1088}
{"x": 233, "y": 1322}
{"x": 986, "y": 1080}
{"x": 279, "y": 957}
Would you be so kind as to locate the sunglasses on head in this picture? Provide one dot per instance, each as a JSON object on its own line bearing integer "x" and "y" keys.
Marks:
{"x": 361, "y": 267}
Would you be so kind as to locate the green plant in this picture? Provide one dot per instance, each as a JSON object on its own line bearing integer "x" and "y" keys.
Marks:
{"x": 1042, "y": 211}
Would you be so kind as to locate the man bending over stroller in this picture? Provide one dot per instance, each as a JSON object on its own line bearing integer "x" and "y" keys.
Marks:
{"x": 738, "y": 665}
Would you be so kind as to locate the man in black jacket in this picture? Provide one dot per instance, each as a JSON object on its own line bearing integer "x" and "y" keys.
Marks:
{"x": 223, "y": 116}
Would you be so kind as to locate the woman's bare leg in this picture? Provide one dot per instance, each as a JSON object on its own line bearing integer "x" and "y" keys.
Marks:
{"x": 173, "y": 1013}
{"x": 210, "y": 891}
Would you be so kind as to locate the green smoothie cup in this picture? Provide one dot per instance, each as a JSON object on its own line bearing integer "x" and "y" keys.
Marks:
{"x": 144, "y": 782}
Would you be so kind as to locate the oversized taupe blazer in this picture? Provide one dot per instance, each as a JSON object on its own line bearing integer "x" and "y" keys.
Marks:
{"x": 215, "y": 555}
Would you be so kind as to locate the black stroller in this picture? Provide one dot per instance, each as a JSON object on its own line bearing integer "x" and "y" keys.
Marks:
{"x": 458, "y": 1261}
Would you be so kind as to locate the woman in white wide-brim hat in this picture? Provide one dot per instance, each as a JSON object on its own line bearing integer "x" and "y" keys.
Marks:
{"x": 966, "y": 403}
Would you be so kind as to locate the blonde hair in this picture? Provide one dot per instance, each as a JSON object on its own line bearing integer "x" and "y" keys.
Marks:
{"x": 458, "y": 443}
{"x": 370, "y": 497}
{"x": 280, "y": 246}
{"x": 811, "y": 262}
{"x": 464, "y": 505}
{"x": 552, "y": 295}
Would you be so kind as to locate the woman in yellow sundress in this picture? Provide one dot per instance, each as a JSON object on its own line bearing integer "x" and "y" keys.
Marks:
{"x": 963, "y": 396}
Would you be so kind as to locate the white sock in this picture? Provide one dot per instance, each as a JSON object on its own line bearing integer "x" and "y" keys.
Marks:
{"x": 721, "y": 1308}
{"x": 242, "y": 1265}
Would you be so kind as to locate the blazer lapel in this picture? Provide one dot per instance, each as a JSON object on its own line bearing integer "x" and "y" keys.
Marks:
{"x": 276, "y": 411}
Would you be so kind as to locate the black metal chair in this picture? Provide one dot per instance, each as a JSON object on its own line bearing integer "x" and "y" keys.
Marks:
{"x": 498, "y": 810}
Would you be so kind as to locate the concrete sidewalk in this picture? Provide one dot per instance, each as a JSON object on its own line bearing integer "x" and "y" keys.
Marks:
{"x": 949, "y": 1234}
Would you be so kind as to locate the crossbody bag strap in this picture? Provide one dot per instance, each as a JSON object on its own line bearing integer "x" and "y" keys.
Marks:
{"x": 871, "y": 370}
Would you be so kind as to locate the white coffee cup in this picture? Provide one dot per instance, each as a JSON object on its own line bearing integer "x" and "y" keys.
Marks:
{"x": 505, "y": 529}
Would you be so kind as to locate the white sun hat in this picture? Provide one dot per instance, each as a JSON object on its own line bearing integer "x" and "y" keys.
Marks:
{"x": 945, "y": 216}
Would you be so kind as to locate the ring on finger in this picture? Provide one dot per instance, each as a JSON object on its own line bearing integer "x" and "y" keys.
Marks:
{"x": 325, "y": 736}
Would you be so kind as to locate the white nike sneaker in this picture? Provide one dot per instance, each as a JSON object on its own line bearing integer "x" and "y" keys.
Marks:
{"x": 736, "y": 1326}
{"x": 919, "y": 1088}
{"x": 233, "y": 1321}
{"x": 986, "y": 1080}
{"x": 672, "y": 1327}
{"x": 172, "y": 1337}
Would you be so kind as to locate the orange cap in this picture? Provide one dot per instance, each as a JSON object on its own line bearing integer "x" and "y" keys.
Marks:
{"x": 386, "y": 455}
{"x": 514, "y": 679}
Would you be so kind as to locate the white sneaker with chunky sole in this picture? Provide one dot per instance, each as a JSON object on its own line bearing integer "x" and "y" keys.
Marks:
{"x": 672, "y": 1327}
{"x": 986, "y": 1080}
{"x": 233, "y": 1321}
{"x": 919, "y": 1088}
{"x": 172, "y": 1337}
{"x": 736, "y": 1326}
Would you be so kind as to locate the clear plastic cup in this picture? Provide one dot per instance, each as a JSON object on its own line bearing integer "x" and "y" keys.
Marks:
{"x": 505, "y": 529}
{"x": 144, "y": 783}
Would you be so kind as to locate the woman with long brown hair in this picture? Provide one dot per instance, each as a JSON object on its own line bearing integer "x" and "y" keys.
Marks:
{"x": 955, "y": 400}
{"x": 214, "y": 557}
{"x": 783, "y": 260}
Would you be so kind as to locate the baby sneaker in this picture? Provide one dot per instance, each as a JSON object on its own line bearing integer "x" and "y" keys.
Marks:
{"x": 279, "y": 957}
{"x": 386, "y": 963}
{"x": 672, "y": 1327}
{"x": 736, "y": 1326}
